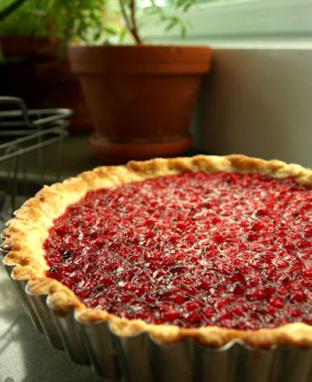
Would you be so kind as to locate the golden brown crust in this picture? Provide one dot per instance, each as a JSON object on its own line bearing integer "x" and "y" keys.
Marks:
{"x": 25, "y": 234}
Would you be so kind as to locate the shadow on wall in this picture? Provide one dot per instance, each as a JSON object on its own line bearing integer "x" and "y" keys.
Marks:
{"x": 258, "y": 102}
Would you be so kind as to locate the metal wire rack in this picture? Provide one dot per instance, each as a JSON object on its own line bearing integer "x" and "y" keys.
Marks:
{"x": 24, "y": 136}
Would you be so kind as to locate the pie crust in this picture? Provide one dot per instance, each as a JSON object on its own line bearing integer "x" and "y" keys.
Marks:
{"x": 26, "y": 232}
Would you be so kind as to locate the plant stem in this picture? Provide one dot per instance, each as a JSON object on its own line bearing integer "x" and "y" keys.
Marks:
{"x": 134, "y": 30}
{"x": 124, "y": 14}
{"x": 10, "y": 9}
{"x": 130, "y": 21}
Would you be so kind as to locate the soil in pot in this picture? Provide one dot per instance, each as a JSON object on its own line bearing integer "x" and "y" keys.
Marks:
{"x": 141, "y": 98}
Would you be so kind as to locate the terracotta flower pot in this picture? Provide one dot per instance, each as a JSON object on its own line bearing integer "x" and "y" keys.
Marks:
{"x": 42, "y": 48}
{"x": 21, "y": 56}
{"x": 34, "y": 72}
{"x": 61, "y": 88}
{"x": 141, "y": 98}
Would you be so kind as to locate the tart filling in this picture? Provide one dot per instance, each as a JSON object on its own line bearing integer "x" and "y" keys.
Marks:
{"x": 193, "y": 249}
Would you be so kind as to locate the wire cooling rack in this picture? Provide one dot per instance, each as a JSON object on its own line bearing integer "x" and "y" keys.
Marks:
{"x": 24, "y": 135}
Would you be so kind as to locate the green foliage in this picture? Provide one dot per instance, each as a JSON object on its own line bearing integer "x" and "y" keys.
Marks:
{"x": 22, "y": 21}
{"x": 171, "y": 16}
{"x": 10, "y": 8}
{"x": 65, "y": 19}
{"x": 174, "y": 17}
{"x": 89, "y": 21}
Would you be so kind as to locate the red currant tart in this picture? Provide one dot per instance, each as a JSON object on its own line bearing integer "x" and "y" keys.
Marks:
{"x": 214, "y": 248}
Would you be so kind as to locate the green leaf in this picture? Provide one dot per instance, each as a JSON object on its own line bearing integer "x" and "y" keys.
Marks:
{"x": 171, "y": 25}
{"x": 111, "y": 31}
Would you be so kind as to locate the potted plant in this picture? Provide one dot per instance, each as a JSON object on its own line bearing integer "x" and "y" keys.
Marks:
{"x": 33, "y": 38}
{"x": 22, "y": 46}
{"x": 140, "y": 97}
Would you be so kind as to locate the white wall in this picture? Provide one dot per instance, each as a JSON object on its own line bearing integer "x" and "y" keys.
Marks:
{"x": 258, "y": 98}
{"x": 258, "y": 102}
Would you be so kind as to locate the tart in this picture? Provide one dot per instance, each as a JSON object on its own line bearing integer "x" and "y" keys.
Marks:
{"x": 211, "y": 248}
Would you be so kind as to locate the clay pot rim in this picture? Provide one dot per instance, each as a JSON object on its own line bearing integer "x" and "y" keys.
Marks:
{"x": 140, "y": 59}
{"x": 140, "y": 46}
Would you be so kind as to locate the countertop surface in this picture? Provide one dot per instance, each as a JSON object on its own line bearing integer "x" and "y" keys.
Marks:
{"x": 76, "y": 156}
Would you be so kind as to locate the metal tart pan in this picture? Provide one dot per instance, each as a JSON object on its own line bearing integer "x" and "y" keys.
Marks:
{"x": 140, "y": 358}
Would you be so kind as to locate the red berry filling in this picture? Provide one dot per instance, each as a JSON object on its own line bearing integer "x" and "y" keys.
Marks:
{"x": 193, "y": 249}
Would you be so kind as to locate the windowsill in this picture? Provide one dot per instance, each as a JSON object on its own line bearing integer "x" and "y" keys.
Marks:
{"x": 238, "y": 44}
{"x": 240, "y": 22}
